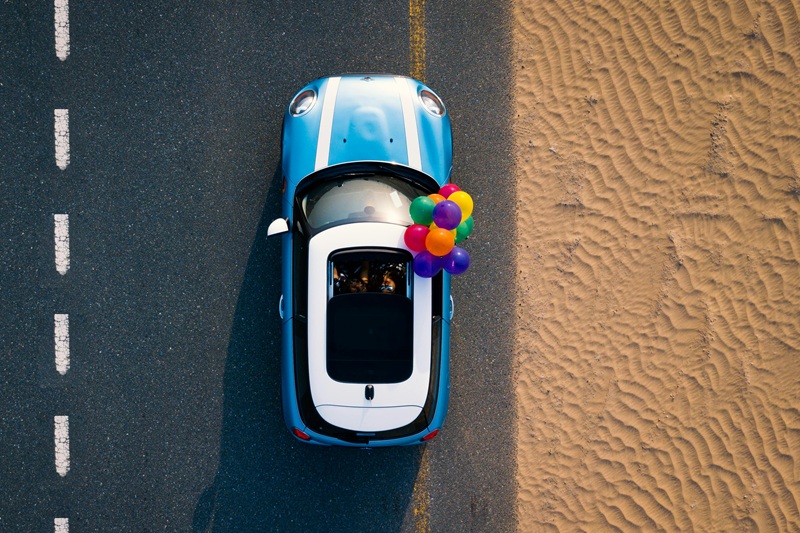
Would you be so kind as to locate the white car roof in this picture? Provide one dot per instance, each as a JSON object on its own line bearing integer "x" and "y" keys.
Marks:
{"x": 344, "y": 404}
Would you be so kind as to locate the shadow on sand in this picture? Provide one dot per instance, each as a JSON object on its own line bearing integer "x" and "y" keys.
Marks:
{"x": 267, "y": 481}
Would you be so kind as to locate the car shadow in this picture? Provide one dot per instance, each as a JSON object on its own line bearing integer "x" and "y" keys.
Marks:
{"x": 266, "y": 480}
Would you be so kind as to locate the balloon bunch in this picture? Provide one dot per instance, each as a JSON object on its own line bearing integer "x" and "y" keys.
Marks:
{"x": 441, "y": 221}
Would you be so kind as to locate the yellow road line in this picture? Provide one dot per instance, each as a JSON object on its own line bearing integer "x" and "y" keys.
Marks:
{"x": 416, "y": 20}
{"x": 416, "y": 40}
{"x": 422, "y": 495}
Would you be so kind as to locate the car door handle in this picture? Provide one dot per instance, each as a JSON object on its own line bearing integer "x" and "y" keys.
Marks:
{"x": 280, "y": 306}
{"x": 452, "y": 308}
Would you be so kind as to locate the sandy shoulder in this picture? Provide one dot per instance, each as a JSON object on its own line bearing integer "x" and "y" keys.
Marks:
{"x": 659, "y": 265}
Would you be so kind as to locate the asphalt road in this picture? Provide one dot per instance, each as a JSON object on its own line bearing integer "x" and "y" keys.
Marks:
{"x": 173, "y": 389}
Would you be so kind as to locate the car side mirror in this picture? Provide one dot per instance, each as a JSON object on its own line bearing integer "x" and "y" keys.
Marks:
{"x": 279, "y": 226}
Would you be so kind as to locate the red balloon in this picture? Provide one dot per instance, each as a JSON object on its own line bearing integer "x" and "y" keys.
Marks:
{"x": 415, "y": 236}
{"x": 449, "y": 189}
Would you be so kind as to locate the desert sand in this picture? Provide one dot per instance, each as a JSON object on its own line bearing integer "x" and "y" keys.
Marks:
{"x": 658, "y": 349}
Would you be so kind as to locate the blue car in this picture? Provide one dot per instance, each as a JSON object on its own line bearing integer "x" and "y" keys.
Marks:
{"x": 366, "y": 341}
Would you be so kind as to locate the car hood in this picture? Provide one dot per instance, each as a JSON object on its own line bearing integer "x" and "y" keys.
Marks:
{"x": 366, "y": 118}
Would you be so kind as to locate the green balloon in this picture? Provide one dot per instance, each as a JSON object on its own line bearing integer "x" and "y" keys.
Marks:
{"x": 422, "y": 210}
{"x": 464, "y": 229}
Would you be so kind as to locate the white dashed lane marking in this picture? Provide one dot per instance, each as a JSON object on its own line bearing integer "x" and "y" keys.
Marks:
{"x": 62, "y": 445}
{"x": 62, "y": 137}
{"x": 61, "y": 223}
{"x": 62, "y": 343}
{"x": 62, "y": 28}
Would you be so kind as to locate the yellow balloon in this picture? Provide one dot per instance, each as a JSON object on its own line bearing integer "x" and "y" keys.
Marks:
{"x": 464, "y": 201}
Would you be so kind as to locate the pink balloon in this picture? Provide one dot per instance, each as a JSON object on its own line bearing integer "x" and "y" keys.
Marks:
{"x": 415, "y": 236}
{"x": 449, "y": 189}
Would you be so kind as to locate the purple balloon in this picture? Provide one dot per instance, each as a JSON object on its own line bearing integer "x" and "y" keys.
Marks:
{"x": 447, "y": 215}
{"x": 427, "y": 265}
{"x": 457, "y": 261}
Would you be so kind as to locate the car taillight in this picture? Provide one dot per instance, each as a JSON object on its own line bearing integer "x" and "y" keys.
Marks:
{"x": 430, "y": 435}
{"x": 300, "y": 434}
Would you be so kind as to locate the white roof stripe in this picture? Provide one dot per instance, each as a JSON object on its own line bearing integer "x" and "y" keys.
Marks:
{"x": 406, "y": 398}
{"x": 326, "y": 123}
{"x": 405, "y": 89}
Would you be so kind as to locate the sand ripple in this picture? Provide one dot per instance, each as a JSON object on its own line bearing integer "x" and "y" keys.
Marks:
{"x": 659, "y": 306}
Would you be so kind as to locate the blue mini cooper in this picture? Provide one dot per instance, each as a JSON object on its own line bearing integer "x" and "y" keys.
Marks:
{"x": 365, "y": 353}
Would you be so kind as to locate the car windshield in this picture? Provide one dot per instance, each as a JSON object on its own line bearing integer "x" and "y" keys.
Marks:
{"x": 361, "y": 198}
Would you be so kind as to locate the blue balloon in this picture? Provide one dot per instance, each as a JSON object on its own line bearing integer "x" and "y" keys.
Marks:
{"x": 457, "y": 261}
{"x": 427, "y": 265}
{"x": 447, "y": 215}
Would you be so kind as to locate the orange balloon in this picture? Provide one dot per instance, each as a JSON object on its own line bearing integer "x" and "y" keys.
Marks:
{"x": 436, "y": 197}
{"x": 439, "y": 242}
